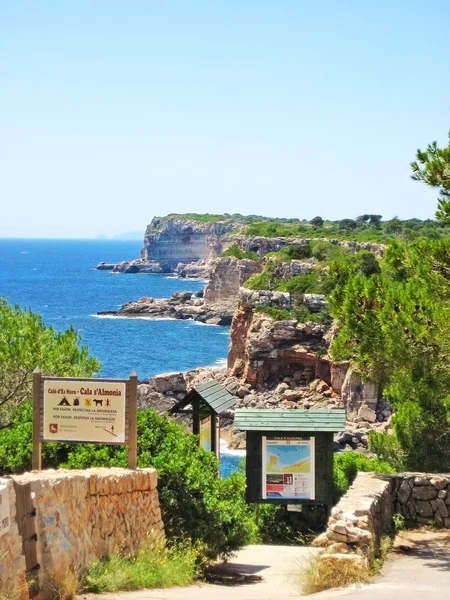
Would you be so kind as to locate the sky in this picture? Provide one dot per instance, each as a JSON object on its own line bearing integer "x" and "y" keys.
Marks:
{"x": 113, "y": 112}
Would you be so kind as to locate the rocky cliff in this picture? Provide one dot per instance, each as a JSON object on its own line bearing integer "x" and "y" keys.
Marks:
{"x": 171, "y": 243}
{"x": 263, "y": 245}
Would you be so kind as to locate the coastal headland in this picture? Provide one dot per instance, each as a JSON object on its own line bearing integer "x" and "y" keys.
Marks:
{"x": 272, "y": 361}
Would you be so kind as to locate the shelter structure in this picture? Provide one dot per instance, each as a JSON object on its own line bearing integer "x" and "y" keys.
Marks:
{"x": 206, "y": 402}
{"x": 289, "y": 454}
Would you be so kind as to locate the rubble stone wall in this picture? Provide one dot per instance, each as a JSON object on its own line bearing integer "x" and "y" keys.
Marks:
{"x": 359, "y": 520}
{"x": 365, "y": 513}
{"x": 12, "y": 561}
{"x": 82, "y": 516}
{"x": 423, "y": 499}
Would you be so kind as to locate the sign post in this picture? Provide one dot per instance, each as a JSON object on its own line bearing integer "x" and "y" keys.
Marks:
{"x": 99, "y": 411}
{"x": 5, "y": 512}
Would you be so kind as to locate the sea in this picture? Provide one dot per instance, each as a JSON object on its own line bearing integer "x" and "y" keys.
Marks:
{"x": 58, "y": 279}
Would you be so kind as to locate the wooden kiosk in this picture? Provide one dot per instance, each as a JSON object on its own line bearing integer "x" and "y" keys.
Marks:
{"x": 289, "y": 454}
{"x": 205, "y": 403}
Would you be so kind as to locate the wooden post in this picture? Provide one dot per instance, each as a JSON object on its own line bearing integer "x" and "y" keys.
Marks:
{"x": 36, "y": 459}
{"x": 132, "y": 421}
{"x": 196, "y": 416}
{"x": 214, "y": 436}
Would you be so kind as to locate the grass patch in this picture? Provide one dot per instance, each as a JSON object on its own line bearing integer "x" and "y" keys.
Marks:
{"x": 319, "y": 575}
{"x": 155, "y": 566}
{"x": 385, "y": 545}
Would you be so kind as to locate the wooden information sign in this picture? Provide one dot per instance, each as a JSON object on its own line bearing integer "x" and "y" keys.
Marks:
{"x": 99, "y": 411}
{"x": 289, "y": 454}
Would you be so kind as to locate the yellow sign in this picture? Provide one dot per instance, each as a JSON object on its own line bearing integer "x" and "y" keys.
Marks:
{"x": 205, "y": 434}
{"x": 84, "y": 411}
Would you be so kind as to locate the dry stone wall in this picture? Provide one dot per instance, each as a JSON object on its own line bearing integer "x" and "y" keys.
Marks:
{"x": 423, "y": 499}
{"x": 82, "y": 516}
{"x": 12, "y": 561}
{"x": 358, "y": 521}
{"x": 364, "y": 514}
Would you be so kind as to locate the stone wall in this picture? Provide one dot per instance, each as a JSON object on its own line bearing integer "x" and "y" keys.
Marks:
{"x": 423, "y": 499}
{"x": 365, "y": 513}
{"x": 12, "y": 561}
{"x": 359, "y": 520}
{"x": 82, "y": 516}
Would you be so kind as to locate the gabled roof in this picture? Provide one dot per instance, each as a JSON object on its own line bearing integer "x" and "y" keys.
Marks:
{"x": 260, "y": 419}
{"x": 213, "y": 398}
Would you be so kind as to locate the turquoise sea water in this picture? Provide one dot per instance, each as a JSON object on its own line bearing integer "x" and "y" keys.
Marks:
{"x": 57, "y": 278}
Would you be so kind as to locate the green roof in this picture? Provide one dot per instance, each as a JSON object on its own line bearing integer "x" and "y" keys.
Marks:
{"x": 277, "y": 419}
{"x": 213, "y": 397}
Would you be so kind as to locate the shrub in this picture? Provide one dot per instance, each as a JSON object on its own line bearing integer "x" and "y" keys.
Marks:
{"x": 235, "y": 251}
{"x": 301, "y": 284}
{"x": 296, "y": 252}
{"x": 346, "y": 467}
{"x": 195, "y": 504}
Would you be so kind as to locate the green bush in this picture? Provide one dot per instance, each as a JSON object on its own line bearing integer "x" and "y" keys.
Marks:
{"x": 195, "y": 504}
{"x": 235, "y": 251}
{"x": 387, "y": 448}
{"x": 277, "y": 525}
{"x": 346, "y": 467}
{"x": 307, "y": 283}
{"x": 296, "y": 252}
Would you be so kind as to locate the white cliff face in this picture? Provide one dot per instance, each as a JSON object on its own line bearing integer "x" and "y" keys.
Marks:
{"x": 168, "y": 242}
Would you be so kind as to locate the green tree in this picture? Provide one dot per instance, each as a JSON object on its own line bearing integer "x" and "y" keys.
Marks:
{"x": 195, "y": 504}
{"x": 317, "y": 222}
{"x": 393, "y": 326}
{"x": 432, "y": 166}
{"x": 25, "y": 343}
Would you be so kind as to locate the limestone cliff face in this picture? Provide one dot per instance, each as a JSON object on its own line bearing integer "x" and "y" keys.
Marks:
{"x": 168, "y": 242}
{"x": 264, "y": 352}
{"x": 228, "y": 274}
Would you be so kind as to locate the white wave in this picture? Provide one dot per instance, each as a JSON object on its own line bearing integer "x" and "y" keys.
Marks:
{"x": 142, "y": 318}
{"x": 225, "y": 450}
{"x": 220, "y": 363}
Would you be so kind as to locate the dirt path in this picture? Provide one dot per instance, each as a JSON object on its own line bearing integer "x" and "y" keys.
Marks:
{"x": 269, "y": 571}
{"x": 417, "y": 569}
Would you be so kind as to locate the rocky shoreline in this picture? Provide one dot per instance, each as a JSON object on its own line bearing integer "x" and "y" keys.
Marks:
{"x": 181, "y": 305}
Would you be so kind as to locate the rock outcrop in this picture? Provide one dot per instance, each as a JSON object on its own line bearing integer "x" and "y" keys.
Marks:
{"x": 227, "y": 276}
{"x": 171, "y": 243}
{"x": 263, "y": 245}
{"x": 215, "y": 306}
{"x": 181, "y": 305}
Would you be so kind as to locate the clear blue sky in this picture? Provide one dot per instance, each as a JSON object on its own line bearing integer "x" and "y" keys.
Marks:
{"x": 112, "y": 112}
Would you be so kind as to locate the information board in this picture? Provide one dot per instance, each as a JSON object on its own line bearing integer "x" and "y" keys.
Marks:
{"x": 288, "y": 470}
{"x": 5, "y": 514}
{"x": 84, "y": 411}
{"x": 205, "y": 434}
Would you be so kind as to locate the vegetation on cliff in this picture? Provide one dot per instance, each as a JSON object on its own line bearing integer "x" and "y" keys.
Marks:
{"x": 363, "y": 228}
{"x": 235, "y": 251}
{"x": 360, "y": 229}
